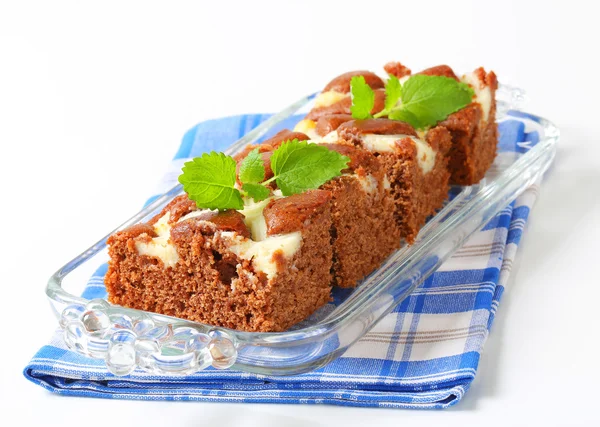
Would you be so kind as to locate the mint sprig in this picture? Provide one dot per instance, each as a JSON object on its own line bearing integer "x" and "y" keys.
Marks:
{"x": 363, "y": 98}
{"x": 422, "y": 101}
{"x": 257, "y": 191}
{"x": 252, "y": 169}
{"x": 209, "y": 180}
{"x": 407, "y": 116}
{"x": 300, "y": 166}
{"x": 393, "y": 93}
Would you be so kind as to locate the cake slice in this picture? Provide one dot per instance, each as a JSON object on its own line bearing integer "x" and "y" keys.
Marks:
{"x": 261, "y": 269}
{"x": 416, "y": 169}
{"x": 415, "y": 164}
{"x": 474, "y": 130}
{"x": 272, "y": 263}
{"x": 364, "y": 232}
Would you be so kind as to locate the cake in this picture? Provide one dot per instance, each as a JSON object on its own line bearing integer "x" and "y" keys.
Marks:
{"x": 364, "y": 231}
{"x": 416, "y": 169}
{"x": 273, "y": 259}
{"x": 261, "y": 269}
{"x": 474, "y": 130}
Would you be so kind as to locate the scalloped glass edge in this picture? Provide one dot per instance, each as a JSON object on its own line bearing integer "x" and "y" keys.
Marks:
{"x": 128, "y": 339}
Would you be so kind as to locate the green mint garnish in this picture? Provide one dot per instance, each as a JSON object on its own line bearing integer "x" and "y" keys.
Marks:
{"x": 257, "y": 191}
{"x": 393, "y": 92}
{"x": 252, "y": 169}
{"x": 300, "y": 166}
{"x": 363, "y": 98}
{"x": 209, "y": 180}
{"x": 407, "y": 117}
{"x": 422, "y": 101}
{"x": 433, "y": 98}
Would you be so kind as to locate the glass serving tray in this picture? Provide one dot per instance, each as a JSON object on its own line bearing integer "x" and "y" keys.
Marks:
{"x": 128, "y": 339}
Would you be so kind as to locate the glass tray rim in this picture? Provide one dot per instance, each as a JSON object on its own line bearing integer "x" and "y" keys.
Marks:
{"x": 475, "y": 212}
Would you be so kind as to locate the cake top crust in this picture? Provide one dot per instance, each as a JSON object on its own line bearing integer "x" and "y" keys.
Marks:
{"x": 440, "y": 70}
{"x": 377, "y": 127}
{"x": 326, "y": 124}
{"x": 283, "y": 136}
{"x": 290, "y": 214}
{"x": 343, "y": 106}
{"x": 359, "y": 158}
{"x": 342, "y": 82}
{"x": 178, "y": 207}
{"x": 229, "y": 220}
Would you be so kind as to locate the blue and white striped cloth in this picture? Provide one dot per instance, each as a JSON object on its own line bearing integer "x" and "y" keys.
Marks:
{"x": 422, "y": 355}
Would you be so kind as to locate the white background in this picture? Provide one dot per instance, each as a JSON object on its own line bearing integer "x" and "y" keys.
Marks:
{"x": 94, "y": 99}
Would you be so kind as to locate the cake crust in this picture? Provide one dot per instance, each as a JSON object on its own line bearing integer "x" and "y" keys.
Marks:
{"x": 343, "y": 107}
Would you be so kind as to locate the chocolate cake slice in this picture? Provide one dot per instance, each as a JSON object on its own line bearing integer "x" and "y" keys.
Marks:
{"x": 364, "y": 231}
{"x": 272, "y": 263}
{"x": 416, "y": 169}
{"x": 260, "y": 269}
{"x": 474, "y": 130}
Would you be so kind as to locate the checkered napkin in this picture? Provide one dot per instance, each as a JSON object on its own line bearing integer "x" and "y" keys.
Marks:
{"x": 422, "y": 355}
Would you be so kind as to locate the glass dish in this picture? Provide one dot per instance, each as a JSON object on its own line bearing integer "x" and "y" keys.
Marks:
{"x": 128, "y": 339}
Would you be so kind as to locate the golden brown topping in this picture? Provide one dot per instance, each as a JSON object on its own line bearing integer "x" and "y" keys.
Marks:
{"x": 342, "y": 82}
{"x": 178, "y": 207}
{"x": 262, "y": 148}
{"x": 397, "y": 69}
{"x": 285, "y": 135}
{"x": 133, "y": 231}
{"x": 340, "y": 107}
{"x": 229, "y": 220}
{"x": 289, "y": 214}
{"x": 343, "y": 107}
{"x": 330, "y": 123}
{"x": 375, "y": 126}
{"x": 440, "y": 70}
{"x": 358, "y": 157}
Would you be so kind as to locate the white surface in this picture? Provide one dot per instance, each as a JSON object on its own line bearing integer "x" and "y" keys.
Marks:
{"x": 94, "y": 99}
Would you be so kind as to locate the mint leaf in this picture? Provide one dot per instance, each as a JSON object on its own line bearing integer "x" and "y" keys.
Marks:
{"x": 299, "y": 166}
{"x": 407, "y": 117}
{"x": 393, "y": 92}
{"x": 209, "y": 181}
{"x": 363, "y": 98}
{"x": 256, "y": 191}
{"x": 431, "y": 99}
{"x": 252, "y": 169}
